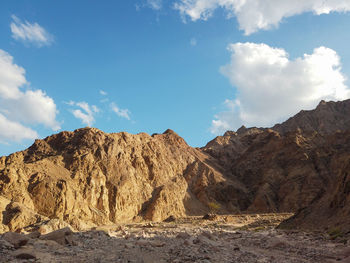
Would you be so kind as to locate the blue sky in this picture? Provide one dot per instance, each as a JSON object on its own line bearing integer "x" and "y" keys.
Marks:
{"x": 199, "y": 67}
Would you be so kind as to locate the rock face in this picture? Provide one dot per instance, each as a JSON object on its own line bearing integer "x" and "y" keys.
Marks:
{"x": 301, "y": 165}
{"x": 332, "y": 209}
{"x": 87, "y": 177}
{"x": 327, "y": 118}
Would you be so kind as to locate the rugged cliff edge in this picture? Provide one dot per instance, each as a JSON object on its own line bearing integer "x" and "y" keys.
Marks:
{"x": 87, "y": 177}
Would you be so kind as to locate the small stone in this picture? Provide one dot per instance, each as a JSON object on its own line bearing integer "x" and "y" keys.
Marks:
{"x": 119, "y": 228}
{"x": 142, "y": 242}
{"x": 183, "y": 235}
{"x": 211, "y": 217}
{"x": 187, "y": 243}
{"x": 277, "y": 243}
{"x": 196, "y": 241}
{"x": 157, "y": 243}
{"x": 207, "y": 234}
{"x": 170, "y": 219}
{"x": 149, "y": 225}
{"x": 128, "y": 246}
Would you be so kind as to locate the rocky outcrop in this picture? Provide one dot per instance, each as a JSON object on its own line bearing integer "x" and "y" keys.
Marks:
{"x": 327, "y": 118}
{"x": 282, "y": 173}
{"x": 88, "y": 177}
{"x": 331, "y": 210}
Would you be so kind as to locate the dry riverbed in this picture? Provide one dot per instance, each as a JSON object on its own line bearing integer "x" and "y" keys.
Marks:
{"x": 241, "y": 238}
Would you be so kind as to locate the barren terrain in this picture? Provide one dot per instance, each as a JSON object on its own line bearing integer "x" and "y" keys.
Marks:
{"x": 240, "y": 238}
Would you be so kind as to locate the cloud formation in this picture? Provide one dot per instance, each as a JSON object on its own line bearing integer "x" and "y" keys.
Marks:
{"x": 85, "y": 113}
{"x": 155, "y": 4}
{"x": 30, "y": 33}
{"x": 18, "y": 107}
{"x": 253, "y": 15}
{"x": 193, "y": 42}
{"x": 103, "y": 93}
{"x": 271, "y": 87}
{"x": 124, "y": 113}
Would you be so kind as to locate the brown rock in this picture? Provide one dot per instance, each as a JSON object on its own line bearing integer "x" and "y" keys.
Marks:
{"x": 170, "y": 219}
{"x": 183, "y": 235}
{"x": 211, "y": 217}
{"x": 157, "y": 243}
{"x": 33, "y": 235}
{"x": 16, "y": 239}
{"x": 25, "y": 254}
{"x": 5, "y": 244}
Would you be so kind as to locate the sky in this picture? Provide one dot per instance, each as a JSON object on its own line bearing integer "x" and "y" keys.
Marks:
{"x": 199, "y": 67}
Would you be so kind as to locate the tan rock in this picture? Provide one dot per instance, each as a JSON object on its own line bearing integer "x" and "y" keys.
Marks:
{"x": 17, "y": 216}
{"x": 88, "y": 178}
{"x": 61, "y": 236}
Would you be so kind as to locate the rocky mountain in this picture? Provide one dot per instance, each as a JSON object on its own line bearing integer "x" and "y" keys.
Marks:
{"x": 327, "y": 118}
{"x": 301, "y": 165}
{"x": 87, "y": 177}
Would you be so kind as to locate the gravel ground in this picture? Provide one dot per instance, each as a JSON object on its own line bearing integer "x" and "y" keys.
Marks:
{"x": 226, "y": 239}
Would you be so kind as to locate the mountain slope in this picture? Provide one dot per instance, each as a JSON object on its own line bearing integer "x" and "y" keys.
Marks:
{"x": 301, "y": 165}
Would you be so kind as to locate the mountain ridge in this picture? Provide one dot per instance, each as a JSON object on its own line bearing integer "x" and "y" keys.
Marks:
{"x": 87, "y": 177}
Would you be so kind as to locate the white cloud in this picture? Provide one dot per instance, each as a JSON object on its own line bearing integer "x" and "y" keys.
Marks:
{"x": 95, "y": 109}
{"x": 137, "y": 7}
{"x": 193, "y": 42}
{"x": 271, "y": 87}
{"x": 19, "y": 107}
{"x": 103, "y": 93}
{"x": 253, "y": 15}
{"x": 155, "y": 4}
{"x": 30, "y": 33}
{"x": 33, "y": 107}
{"x": 86, "y": 113}
{"x": 14, "y": 131}
{"x": 124, "y": 113}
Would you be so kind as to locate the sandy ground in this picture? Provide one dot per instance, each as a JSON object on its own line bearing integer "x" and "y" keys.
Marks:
{"x": 252, "y": 238}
